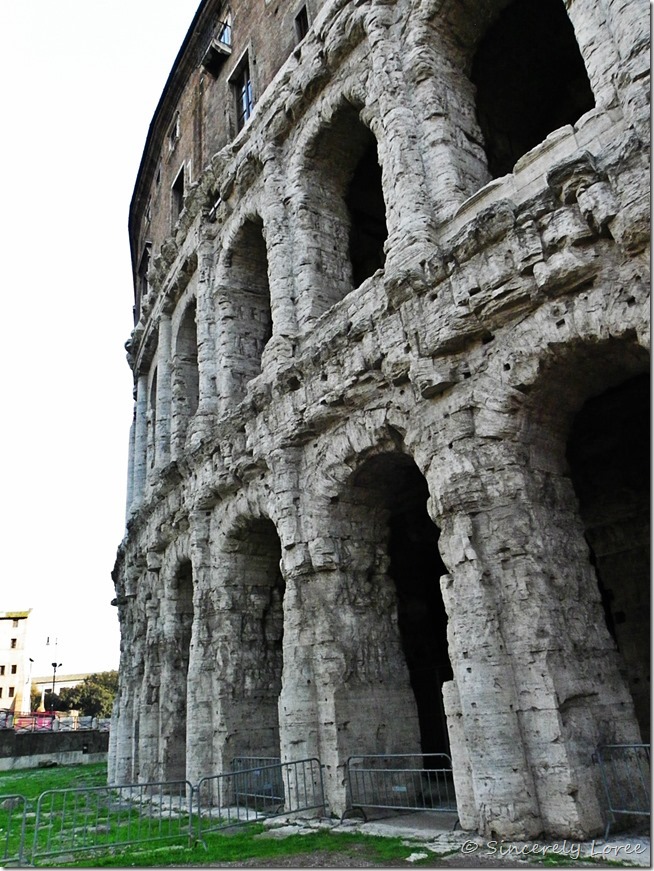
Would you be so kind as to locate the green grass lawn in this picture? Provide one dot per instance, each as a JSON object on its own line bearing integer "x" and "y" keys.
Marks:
{"x": 62, "y": 827}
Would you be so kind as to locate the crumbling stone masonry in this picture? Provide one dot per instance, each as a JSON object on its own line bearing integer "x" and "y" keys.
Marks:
{"x": 388, "y": 487}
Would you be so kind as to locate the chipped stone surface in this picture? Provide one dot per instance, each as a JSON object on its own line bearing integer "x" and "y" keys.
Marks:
{"x": 288, "y": 423}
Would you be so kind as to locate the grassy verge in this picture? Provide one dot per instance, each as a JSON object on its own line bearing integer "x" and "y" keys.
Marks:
{"x": 248, "y": 844}
{"x": 238, "y": 845}
{"x": 33, "y": 781}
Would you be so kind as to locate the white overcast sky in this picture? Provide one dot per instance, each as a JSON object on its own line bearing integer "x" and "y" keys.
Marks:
{"x": 80, "y": 82}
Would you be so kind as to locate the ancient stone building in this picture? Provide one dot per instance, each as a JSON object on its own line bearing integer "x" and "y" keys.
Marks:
{"x": 388, "y": 488}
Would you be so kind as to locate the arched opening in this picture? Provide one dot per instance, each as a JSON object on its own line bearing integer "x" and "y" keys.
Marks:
{"x": 247, "y": 305}
{"x": 345, "y": 214}
{"x": 367, "y": 210}
{"x": 186, "y": 378}
{"x": 257, "y": 604}
{"x": 394, "y": 493}
{"x": 608, "y": 454}
{"x": 173, "y": 690}
{"x": 530, "y": 79}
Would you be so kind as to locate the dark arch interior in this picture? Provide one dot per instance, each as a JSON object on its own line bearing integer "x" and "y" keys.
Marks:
{"x": 609, "y": 458}
{"x": 365, "y": 203}
{"x": 530, "y": 79}
{"x": 250, "y": 299}
{"x": 187, "y": 359}
{"x": 261, "y": 602}
{"x": 416, "y": 567}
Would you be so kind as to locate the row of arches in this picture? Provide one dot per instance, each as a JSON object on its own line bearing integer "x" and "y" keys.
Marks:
{"x": 347, "y": 219}
{"x": 385, "y": 629}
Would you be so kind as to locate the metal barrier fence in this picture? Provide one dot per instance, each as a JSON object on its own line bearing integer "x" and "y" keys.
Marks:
{"x": 250, "y": 794}
{"x": 625, "y": 770}
{"x": 48, "y": 722}
{"x": 413, "y": 782}
{"x": 13, "y": 817}
{"x": 103, "y": 817}
{"x": 258, "y": 777}
{"x": 89, "y": 819}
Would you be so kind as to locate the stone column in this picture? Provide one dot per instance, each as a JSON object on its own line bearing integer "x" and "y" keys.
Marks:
{"x": 130, "y": 469}
{"x": 299, "y": 731}
{"x": 488, "y": 740}
{"x": 408, "y": 210}
{"x": 281, "y": 262}
{"x": 164, "y": 392}
{"x": 148, "y": 709}
{"x": 140, "y": 441}
{"x": 572, "y": 695}
{"x": 205, "y": 313}
{"x": 598, "y": 48}
{"x": 123, "y": 760}
{"x": 202, "y": 669}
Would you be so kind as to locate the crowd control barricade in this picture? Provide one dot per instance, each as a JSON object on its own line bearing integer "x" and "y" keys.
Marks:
{"x": 625, "y": 770}
{"x": 400, "y": 782}
{"x": 246, "y": 795}
{"x": 258, "y": 778}
{"x": 44, "y": 722}
{"x": 72, "y": 821}
{"x": 13, "y": 817}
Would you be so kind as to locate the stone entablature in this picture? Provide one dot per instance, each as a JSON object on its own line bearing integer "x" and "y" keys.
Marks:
{"x": 294, "y": 432}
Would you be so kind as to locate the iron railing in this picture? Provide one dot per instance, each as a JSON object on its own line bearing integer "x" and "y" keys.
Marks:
{"x": 625, "y": 770}
{"x": 13, "y": 819}
{"x": 249, "y": 794}
{"x": 104, "y": 817}
{"x": 413, "y": 782}
{"x": 258, "y": 778}
{"x": 49, "y": 722}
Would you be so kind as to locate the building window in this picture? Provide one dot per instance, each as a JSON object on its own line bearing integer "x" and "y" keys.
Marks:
{"x": 14, "y": 669}
{"x": 225, "y": 30}
{"x": 0, "y": 692}
{"x": 220, "y": 47}
{"x": 11, "y": 692}
{"x": 14, "y": 623}
{"x": 2, "y": 670}
{"x": 13, "y": 643}
{"x": 241, "y": 82}
{"x": 301, "y": 24}
{"x": 144, "y": 265}
{"x": 177, "y": 199}
{"x": 174, "y": 133}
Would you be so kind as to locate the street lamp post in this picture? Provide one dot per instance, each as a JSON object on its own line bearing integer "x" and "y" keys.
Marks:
{"x": 55, "y": 666}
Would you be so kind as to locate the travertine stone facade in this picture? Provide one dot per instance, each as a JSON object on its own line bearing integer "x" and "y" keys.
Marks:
{"x": 388, "y": 486}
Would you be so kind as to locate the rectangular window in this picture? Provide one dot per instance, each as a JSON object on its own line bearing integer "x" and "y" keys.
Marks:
{"x": 177, "y": 198}
{"x": 241, "y": 82}
{"x": 14, "y": 669}
{"x": 301, "y": 24}
{"x": 0, "y": 692}
{"x": 225, "y": 31}
{"x": 13, "y": 643}
{"x": 14, "y": 623}
{"x": 174, "y": 133}
{"x": 2, "y": 670}
{"x": 11, "y": 692}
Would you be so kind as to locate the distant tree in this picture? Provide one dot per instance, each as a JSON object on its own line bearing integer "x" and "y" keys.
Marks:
{"x": 68, "y": 697}
{"x": 54, "y": 702}
{"x": 94, "y": 697}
